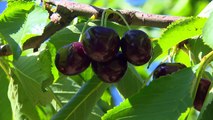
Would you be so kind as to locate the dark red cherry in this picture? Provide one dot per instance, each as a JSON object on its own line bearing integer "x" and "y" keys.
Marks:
{"x": 201, "y": 93}
{"x": 71, "y": 59}
{"x": 111, "y": 71}
{"x": 167, "y": 68}
{"x": 136, "y": 46}
{"x": 100, "y": 43}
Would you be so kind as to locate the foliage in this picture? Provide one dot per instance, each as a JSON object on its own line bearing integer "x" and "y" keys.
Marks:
{"x": 33, "y": 89}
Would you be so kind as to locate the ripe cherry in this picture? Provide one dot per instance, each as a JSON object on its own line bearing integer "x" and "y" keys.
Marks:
{"x": 111, "y": 71}
{"x": 201, "y": 93}
{"x": 167, "y": 68}
{"x": 100, "y": 43}
{"x": 136, "y": 46}
{"x": 71, "y": 59}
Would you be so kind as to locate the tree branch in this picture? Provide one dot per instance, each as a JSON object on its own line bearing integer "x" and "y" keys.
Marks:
{"x": 66, "y": 11}
{"x": 133, "y": 17}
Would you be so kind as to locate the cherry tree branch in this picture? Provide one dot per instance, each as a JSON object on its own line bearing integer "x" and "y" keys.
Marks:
{"x": 132, "y": 17}
{"x": 66, "y": 11}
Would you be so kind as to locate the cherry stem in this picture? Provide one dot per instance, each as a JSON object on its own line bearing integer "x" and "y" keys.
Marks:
{"x": 103, "y": 18}
{"x": 106, "y": 14}
{"x": 85, "y": 26}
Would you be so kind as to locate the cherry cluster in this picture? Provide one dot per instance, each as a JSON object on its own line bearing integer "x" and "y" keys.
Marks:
{"x": 106, "y": 52}
{"x": 169, "y": 68}
{"x": 108, "y": 55}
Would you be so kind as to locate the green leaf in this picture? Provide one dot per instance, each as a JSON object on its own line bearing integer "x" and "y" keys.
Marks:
{"x": 207, "y": 32}
{"x": 207, "y": 10}
{"x": 177, "y": 32}
{"x": 207, "y": 115}
{"x": 130, "y": 83}
{"x": 80, "y": 106}
{"x": 11, "y": 2}
{"x": 87, "y": 74}
{"x": 11, "y": 21}
{"x": 37, "y": 67}
{"x": 52, "y": 53}
{"x": 179, "y": 58}
{"x": 32, "y": 25}
{"x": 28, "y": 85}
{"x": 25, "y": 94}
{"x": 198, "y": 49}
{"x": 164, "y": 99}
{"x": 21, "y": 102}
{"x": 63, "y": 37}
{"x": 184, "y": 115}
{"x": 65, "y": 88}
{"x": 96, "y": 113}
{"x": 106, "y": 101}
{"x": 5, "y": 111}
{"x": 190, "y": 114}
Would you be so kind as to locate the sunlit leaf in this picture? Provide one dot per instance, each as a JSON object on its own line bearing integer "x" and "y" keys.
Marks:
{"x": 189, "y": 114}
{"x": 183, "y": 54}
{"x": 198, "y": 49}
{"x": 32, "y": 25}
{"x": 28, "y": 84}
{"x": 178, "y": 32}
{"x": 22, "y": 104}
{"x": 106, "y": 101}
{"x": 52, "y": 54}
{"x": 207, "y": 32}
{"x": 35, "y": 66}
{"x": 11, "y": 21}
{"x": 25, "y": 94}
{"x": 207, "y": 10}
{"x": 87, "y": 74}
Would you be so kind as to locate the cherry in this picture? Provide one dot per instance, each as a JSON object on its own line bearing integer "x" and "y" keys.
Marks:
{"x": 201, "y": 93}
{"x": 112, "y": 70}
{"x": 136, "y": 46}
{"x": 100, "y": 43}
{"x": 167, "y": 68}
{"x": 71, "y": 59}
